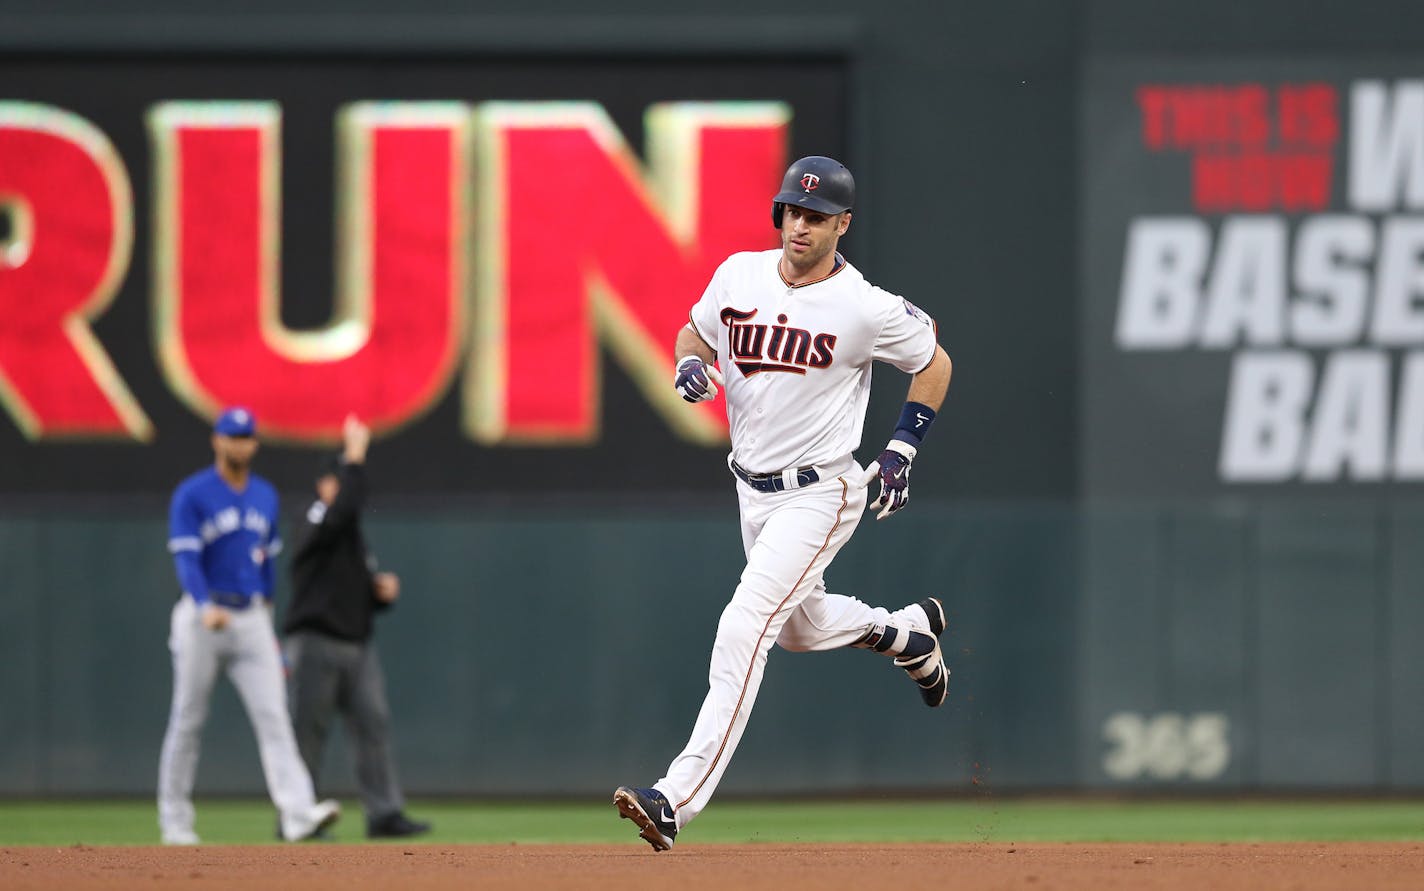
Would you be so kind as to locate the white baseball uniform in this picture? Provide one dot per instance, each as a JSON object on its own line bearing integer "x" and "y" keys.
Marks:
{"x": 796, "y": 361}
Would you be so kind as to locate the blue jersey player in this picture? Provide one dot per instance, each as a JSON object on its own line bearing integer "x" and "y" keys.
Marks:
{"x": 222, "y": 526}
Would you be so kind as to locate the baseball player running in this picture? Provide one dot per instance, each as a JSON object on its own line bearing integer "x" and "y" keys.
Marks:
{"x": 223, "y": 536}
{"x": 794, "y": 332}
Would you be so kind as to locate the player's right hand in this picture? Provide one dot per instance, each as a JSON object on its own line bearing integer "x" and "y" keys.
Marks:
{"x": 696, "y": 380}
{"x": 355, "y": 438}
{"x": 215, "y": 618}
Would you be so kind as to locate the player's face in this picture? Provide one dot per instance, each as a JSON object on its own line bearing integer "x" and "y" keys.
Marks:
{"x": 327, "y": 487}
{"x": 234, "y": 452}
{"x": 808, "y": 236}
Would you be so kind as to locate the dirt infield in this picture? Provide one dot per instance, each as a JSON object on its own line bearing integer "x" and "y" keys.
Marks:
{"x": 963, "y": 867}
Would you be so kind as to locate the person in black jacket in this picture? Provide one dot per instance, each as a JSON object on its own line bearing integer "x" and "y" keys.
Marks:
{"x": 332, "y": 660}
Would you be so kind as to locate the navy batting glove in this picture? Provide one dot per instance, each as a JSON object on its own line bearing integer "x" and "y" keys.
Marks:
{"x": 696, "y": 381}
{"x": 893, "y": 469}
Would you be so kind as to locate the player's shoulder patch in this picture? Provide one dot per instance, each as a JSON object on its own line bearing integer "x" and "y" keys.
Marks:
{"x": 916, "y": 313}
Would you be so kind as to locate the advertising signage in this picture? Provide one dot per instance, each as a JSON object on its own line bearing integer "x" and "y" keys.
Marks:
{"x": 1254, "y": 276}
{"x": 487, "y": 261}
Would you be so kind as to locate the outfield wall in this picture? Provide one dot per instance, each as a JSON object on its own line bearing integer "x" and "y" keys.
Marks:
{"x": 536, "y": 655}
{"x": 1224, "y": 649}
{"x": 1171, "y": 503}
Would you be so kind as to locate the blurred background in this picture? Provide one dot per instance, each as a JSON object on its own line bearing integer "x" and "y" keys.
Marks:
{"x": 1173, "y": 502}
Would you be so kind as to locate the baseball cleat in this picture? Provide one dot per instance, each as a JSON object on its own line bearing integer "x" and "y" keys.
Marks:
{"x": 319, "y": 835}
{"x": 929, "y": 673}
{"x": 934, "y": 613}
{"x": 396, "y": 825}
{"x": 300, "y": 827}
{"x": 180, "y": 837}
{"x": 649, "y": 809}
{"x": 927, "y": 669}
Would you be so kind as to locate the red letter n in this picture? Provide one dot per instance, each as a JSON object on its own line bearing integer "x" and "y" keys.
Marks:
{"x": 577, "y": 245}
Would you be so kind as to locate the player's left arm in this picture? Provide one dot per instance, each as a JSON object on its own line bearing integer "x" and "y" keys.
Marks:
{"x": 927, "y": 390}
{"x": 270, "y": 549}
{"x": 928, "y": 386}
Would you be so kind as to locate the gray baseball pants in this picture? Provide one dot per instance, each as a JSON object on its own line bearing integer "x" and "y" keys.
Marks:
{"x": 246, "y": 650}
{"x": 328, "y": 675}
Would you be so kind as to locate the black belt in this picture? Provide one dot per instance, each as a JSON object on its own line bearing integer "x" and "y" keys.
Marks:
{"x": 232, "y": 601}
{"x": 774, "y": 482}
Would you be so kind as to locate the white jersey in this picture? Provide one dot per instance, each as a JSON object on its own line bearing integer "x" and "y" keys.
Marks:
{"x": 796, "y": 358}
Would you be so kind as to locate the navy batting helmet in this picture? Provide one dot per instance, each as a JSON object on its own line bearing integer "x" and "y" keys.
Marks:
{"x": 817, "y": 182}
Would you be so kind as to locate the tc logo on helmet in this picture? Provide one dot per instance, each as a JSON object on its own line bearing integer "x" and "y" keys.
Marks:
{"x": 810, "y": 182}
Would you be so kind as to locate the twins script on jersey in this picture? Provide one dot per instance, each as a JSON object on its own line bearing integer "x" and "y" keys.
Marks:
{"x": 797, "y": 358}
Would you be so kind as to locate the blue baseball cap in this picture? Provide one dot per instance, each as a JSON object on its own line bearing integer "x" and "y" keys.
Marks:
{"x": 236, "y": 421}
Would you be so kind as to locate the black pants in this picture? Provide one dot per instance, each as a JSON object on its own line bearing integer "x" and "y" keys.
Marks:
{"x": 329, "y": 675}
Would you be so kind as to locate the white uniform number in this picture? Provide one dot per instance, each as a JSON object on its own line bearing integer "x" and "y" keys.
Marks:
{"x": 1166, "y": 746}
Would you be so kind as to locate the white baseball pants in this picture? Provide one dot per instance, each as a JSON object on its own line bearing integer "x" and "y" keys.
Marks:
{"x": 790, "y": 538}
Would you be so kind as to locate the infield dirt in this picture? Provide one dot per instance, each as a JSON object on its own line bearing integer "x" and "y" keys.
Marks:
{"x": 964, "y": 867}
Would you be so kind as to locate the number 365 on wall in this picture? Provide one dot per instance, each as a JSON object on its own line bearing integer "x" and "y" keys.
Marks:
{"x": 1166, "y": 746}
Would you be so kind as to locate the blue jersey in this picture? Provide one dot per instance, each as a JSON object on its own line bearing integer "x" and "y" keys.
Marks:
{"x": 223, "y": 541}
